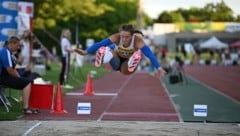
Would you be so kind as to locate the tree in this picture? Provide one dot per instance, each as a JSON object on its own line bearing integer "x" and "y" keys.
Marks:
{"x": 210, "y": 12}
{"x": 222, "y": 13}
{"x": 170, "y": 17}
{"x": 238, "y": 18}
{"x": 218, "y": 12}
{"x": 95, "y": 18}
{"x": 164, "y": 17}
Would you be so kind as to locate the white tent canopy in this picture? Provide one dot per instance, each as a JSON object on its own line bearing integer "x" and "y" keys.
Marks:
{"x": 213, "y": 43}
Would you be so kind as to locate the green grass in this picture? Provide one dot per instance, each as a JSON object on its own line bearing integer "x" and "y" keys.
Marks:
{"x": 77, "y": 78}
{"x": 14, "y": 113}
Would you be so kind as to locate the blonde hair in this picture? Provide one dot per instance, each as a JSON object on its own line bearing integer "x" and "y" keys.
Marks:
{"x": 66, "y": 34}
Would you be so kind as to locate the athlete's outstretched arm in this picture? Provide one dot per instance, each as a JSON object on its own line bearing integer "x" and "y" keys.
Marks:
{"x": 148, "y": 53}
{"x": 80, "y": 51}
{"x": 94, "y": 47}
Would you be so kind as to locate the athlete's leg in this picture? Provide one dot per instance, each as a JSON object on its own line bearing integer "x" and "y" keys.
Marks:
{"x": 108, "y": 55}
{"x": 115, "y": 63}
{"x": 134, "y": 60}
{"x": 99, "y": 56}
{"x": 124, "y": 68}
{"x": 103, "y": 55}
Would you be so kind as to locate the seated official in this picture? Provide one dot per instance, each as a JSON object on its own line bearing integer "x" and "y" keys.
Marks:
{"x": 10, "y": 77}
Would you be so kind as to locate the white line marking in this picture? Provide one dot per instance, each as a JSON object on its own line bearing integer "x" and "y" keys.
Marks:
{"x": 31, "y": 128}
{"x": 174, "y": 95}
{"x": 74, "y": 94}
{"x": 140, "y": 114}
{"x": 97, "y": 94}
{"x": 111, "y": 102}
{"x": 172, "y": 102}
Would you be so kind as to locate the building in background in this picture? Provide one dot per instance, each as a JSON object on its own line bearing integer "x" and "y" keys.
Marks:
{"x": 173, "y": 34}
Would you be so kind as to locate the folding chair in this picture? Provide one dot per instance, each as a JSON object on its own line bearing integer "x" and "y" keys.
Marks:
{"x": 10, "y": 95}
{"x": 4, "y": 99}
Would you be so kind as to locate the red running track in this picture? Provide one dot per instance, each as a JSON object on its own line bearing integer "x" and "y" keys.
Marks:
{"x": 137, "y": 97}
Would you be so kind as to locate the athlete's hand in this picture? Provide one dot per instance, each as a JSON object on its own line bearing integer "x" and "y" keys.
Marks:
{"x": 80, "y": 51}
{"x": 160, "y": 72}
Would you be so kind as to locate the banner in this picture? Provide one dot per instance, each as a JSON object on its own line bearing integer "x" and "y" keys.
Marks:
{"x": 232, "y": 27}
{"x": 201, "y": 26}
{"x": 25, "y": 16}
{"x": 8, "y": 19}
{"x": 23, "y": 22}
{"x": 26, "y": 7}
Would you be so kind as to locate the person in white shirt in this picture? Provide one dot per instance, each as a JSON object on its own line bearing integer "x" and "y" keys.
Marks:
{"x": 25, "y": 53}
{"x": 24, "y": 56}
{"x": 66, "y": 50}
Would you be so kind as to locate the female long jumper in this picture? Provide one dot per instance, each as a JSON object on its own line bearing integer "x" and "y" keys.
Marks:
{"x": 123, "y": 51}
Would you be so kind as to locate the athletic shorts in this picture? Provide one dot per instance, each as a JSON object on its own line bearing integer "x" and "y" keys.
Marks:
{"x": 14, "y": 82}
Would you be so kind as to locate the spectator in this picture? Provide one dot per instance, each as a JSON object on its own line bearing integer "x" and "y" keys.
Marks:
{"x": 10, "y": 77}
{"x": 24, "y": 56}
{"x": 227, "y": 56}
{"x": 163, "y": 55}
{"x": 66, "y": 50}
